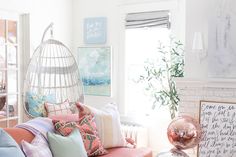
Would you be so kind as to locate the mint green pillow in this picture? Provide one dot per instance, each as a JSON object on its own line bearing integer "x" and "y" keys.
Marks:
{"x": 8, "y": 146}
{"x": 62, "y": 146}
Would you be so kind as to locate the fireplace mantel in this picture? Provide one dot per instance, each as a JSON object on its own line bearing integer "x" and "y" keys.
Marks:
{"x": 210, "y": 82}
{"x": 192, "y": 91}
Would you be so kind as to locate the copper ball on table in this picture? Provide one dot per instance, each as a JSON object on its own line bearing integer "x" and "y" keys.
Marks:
{"x": 184, "y": 132}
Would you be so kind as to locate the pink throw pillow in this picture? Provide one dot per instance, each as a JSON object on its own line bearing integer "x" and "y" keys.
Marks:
{"x": 58, "y": 109}
{"x": 92, "y": 142}
{"x": 66, "y": 118}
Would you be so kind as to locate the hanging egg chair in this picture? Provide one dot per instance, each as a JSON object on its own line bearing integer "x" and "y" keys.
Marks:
{"x": 52, "y": 76}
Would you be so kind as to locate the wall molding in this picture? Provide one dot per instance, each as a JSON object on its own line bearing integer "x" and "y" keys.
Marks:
{"x": 206, "y": 83}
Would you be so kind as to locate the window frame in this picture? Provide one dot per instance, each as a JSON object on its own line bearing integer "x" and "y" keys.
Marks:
{"x": 8, "y": 16}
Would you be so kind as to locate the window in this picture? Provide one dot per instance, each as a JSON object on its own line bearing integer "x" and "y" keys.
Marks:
{"x": 9, "y": 74}
{"x": 142, "y": 38}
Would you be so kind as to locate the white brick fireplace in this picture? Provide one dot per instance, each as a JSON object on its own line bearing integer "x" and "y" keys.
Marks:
{"x": 192, "y": 91}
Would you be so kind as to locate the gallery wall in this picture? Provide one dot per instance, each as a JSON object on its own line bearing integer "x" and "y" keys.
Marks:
{"x": 115, "y": 12}
{"x": 103, "y": 8}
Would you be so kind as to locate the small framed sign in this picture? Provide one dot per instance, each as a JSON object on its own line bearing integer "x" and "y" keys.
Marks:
{"x": 95, "y": 30}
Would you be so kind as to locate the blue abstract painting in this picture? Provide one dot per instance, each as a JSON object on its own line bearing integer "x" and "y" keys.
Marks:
{"x": 95, "y": 70}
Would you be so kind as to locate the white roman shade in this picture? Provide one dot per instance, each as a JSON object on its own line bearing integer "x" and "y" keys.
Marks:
{"x": 148, "y": 19}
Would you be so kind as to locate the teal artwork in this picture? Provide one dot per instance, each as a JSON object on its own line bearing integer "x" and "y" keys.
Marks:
{"x": 95, "y": 70}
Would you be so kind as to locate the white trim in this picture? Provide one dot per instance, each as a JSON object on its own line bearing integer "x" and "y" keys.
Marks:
{"x": 205, "y": 83}
{"x": 143, "y": 2}
{"x": 9, "y": 15}
{"x": 6, "y": 15}
{"x": 25, "y": 51}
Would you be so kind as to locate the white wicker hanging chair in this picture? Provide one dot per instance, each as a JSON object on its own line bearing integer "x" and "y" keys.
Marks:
{"x": 52, "y": 75}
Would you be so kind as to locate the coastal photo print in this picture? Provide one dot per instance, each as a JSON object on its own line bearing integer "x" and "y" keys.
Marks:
{"x": 95, "y": 70}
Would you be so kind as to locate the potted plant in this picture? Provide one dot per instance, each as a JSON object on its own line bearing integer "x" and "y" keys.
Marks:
{"x": 158, "y": 78}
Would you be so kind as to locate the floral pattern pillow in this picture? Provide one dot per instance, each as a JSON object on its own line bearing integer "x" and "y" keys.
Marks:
{"x": 92, "y": 142}
{"x": 64, "y": 128}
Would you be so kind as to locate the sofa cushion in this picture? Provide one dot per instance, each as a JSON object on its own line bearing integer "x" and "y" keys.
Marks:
{"x": 71, "y": 145}
{"x": 8, "y": 147}
{"x": 37, "y": 148}
{"x": 129, "y": 152}
{"x": 19, "y": 134}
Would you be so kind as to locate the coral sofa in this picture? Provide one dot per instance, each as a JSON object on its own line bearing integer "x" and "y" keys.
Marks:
{"x": 19, "y": 134}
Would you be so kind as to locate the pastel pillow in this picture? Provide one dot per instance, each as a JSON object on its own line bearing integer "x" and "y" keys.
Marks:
{"x": 37, "y": 148}
{"x": 108, "y": 124}
{"x": 36, "y": 103}
{"x": 58, "y": 109}
{"x": 8, "y": 146}
{"x": 66, "y": 118}
{"x": 68, "y": 146}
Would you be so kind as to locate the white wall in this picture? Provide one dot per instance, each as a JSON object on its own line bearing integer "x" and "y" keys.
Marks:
{"x": 105, "y": 8}
{"x": 42, "y": 12}
{"x": 197, "y": 13}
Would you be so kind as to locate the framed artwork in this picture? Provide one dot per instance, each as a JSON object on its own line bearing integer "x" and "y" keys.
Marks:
{"x": 95, "y": 30}
{"x": 221, "y": 41}
{"x": 95, "y": 70}
{"x": 217, "y": 120}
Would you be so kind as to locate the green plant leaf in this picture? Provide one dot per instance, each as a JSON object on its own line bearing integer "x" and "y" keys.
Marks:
{"x": 161, "y": 72}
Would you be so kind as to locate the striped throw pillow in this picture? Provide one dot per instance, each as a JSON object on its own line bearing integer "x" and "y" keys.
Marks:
{"x": 108, "y": 124}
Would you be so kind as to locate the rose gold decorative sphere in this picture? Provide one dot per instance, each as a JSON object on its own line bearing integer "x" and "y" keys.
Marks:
{"x": 184, "y": 132}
